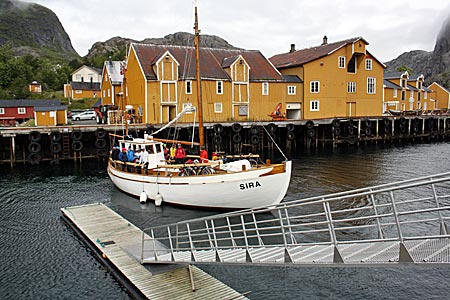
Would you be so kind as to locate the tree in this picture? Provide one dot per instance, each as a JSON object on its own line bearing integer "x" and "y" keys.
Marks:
{"x": 404, "y": 68}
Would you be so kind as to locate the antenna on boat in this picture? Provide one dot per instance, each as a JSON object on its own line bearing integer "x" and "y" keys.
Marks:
{"x": 197, "y": 75}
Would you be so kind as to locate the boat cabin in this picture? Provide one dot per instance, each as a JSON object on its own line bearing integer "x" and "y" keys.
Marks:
{"x": 154, "y": 148}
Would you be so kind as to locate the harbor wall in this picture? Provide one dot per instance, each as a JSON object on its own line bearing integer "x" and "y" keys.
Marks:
{"x": 51, "y": 145}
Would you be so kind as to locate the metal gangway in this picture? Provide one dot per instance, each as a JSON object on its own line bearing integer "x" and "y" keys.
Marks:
{"x": 391, "y": 224}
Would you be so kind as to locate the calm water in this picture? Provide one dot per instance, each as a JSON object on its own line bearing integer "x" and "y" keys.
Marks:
{"x": 41, "y": 258}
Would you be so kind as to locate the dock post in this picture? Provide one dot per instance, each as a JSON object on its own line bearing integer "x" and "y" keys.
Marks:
{"x": 12, "y": 150}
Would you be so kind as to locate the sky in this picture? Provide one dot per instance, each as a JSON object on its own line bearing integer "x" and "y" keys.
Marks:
{"x": 391, "y": 27}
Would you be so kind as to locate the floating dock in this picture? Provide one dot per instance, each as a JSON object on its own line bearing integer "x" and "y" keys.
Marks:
{"x": 117, "y": 244}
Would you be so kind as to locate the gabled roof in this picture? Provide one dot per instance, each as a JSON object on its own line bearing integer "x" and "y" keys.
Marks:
{"x": 113, "y": 69}
{"x": 292, "y": 78}
{"x": 445, "y": 89}
{"x": 50, "y": 108}
{"x": 211, "y": 62}
{"x": 391, "y": 85}
{"x": 98, "y": 71}
{"x": 394, "y": 75}
{"x": 86, "y": 86}
{"x": 30, "y": 103}
{"x": 300, "y": 57}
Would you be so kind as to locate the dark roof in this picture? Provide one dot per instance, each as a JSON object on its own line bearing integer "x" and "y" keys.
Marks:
{"x": 393, "y": 75}
{"x": 212, "y": 62}
{"x": 292, "y": 78}
{"x": 300, "y": 57}
{"x": 50, "y": 108}
{"x": 391, "y": 85}
{"x": 30, "y": 103}
{"x": 86, "y": 86}
{"x": 412, "y": 87}
{"x": 414, "y": 77}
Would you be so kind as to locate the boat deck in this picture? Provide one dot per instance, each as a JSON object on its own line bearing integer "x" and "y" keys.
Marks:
{"x": 117, "y": 243}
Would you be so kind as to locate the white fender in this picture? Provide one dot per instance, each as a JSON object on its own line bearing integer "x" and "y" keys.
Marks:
{"x": 158, "y": 199}
{"x": 143, "y": 197}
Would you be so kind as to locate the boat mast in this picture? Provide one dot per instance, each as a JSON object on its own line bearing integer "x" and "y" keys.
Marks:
{"x": 197, "y": 74}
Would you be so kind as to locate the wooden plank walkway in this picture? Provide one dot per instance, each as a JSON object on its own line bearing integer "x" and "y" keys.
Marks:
{"x": 115, "y": 238}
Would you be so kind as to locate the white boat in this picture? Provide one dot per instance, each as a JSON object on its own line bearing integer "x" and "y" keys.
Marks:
{"x": 234, "y": 185}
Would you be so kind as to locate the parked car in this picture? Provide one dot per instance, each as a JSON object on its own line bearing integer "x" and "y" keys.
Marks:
{"x": 86, "y": 115}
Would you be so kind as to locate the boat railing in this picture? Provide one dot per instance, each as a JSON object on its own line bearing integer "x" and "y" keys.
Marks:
{"x": 409, "y": 216}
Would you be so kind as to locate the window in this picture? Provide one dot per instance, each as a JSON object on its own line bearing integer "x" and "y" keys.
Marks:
{"x": 403, "y": 95}
{"x": 371, "y": 85}
{"x": 78, "y": 77}
{"x": 109, "y": 93}
{"x": 265, "y": 88}
{"x": 218, "y": 107}
{"x": 341, "y": 62}
{"x": 2, "y": 111}
{"x": 243, "y": 110}
{"x": 314, "y": 86}
{"x": 188, "y": 86}
{"x": 403, "y": 82}
{"x": 104, "y": 93}
{"x": 425, "y": 95}
{"x": 351, "y": 68}
{"x": 219, "y": 87}
{"x": 291, "y": 90}
{"x": 351, "y": 87}
{"x": 418, "y": 96}
{"x": 21, "y": 110}
{"x": 314, "y": 105}
{"x": 394, "y": 93}
{"x": 419, "y": 85}
{"x": 368, "y": 64}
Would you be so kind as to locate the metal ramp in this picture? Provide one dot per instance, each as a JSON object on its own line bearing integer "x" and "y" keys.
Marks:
{"x": 390, "y": 224}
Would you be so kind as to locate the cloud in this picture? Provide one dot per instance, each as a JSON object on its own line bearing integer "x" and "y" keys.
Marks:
{"x": 391, "y": 27}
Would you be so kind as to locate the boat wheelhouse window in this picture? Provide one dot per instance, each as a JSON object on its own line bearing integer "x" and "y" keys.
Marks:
{"x": 150, "y": 149}
{"x": 158, "y": 148}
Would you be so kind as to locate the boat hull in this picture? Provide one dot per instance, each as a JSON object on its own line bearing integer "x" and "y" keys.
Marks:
{"x": 240, "y": 190}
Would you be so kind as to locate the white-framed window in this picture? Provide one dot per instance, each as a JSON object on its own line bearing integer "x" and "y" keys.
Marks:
{"x": 218, "y": 107}
{"x": 351, "y": 87}
{"x": 314, "y": 105}
{"x": 368, "y": 64}
{"x": 188, "y": 86}
{"x": 403, "y": 95}
{"x": 78, "y": 77}
{"x": 341, "y": 62}
{"x": 403, "y": 82}
{"x": 425, "y": 95}
{"x": 219, "y": 87}
{"x": 418, "y": 96}
{"x": 78, "y": 92}
{"x": 394, "y": 93}
{"x": 371, "y": 82}
{"x": 419, "y": 85}
{"x": 104, "y": 93}
{"x": 2, "y": 111}
{"x": 265, "y": 88}
{"x": 21, "y": 110}
{"x": 292, "y": 90}
{"x": 109, "y": 93}
{"x": 411, "y": 94}
{"x": 106, "y": 77}
{"x": 314, "y": 87}
{"x": 185, "y": 105}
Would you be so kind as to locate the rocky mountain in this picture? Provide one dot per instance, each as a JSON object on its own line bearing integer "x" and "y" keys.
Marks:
{"x": 33, "y": 29}
{"x": 434, "y": 65}
{"x": 118, "y": 44}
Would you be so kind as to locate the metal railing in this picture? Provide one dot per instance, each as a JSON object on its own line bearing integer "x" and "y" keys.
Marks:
{"x": 404, "y": 221}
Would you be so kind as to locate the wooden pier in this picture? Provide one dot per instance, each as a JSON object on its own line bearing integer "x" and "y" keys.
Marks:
{"x": 117, "y": 242}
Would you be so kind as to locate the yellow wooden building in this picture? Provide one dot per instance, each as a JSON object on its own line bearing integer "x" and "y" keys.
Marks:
{"x": 111, "y": 84}
{"x": 237, "y": 85}
{"x": 441, "y": 96}
{"x": 50, "y": 115}
{"x": 341, "y": 79}
{"x": 405, "y": 92}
